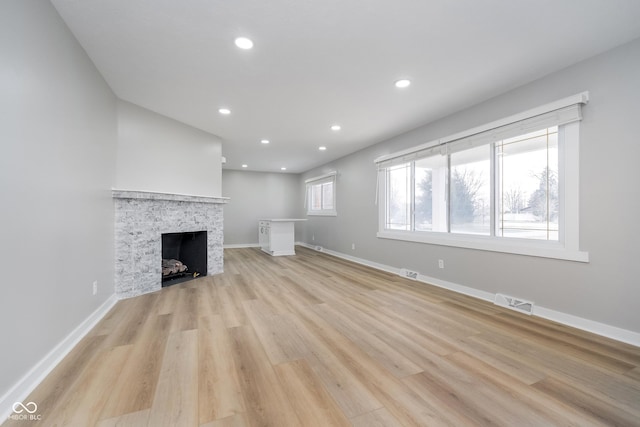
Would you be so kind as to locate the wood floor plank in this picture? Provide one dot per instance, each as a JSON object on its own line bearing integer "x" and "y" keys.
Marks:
{"x": 402, "y": 402}
{"x": 176, "y": 398}
{"x": 559, "y": 413}
{"x": 113, "y": 318}
{"x": 302, "y": 295}
{"x": 133, "y": 419}
{"x": 312, "y": 403}
{"x": 351, "y": 394}
{"x": 266, "y": 402}
{"x": 618, "y": 390}
{"x": 378, "y": 418}
{"x": 219, "y": 393}
{"x": 231, "y": 309}
{"x": 379, "y": 350}
{"x": 89, "y": 395}
{"x": 399, "y": 335}
{"x": 279, "y": 338}
{"x": 185, "y": 315}
{"x": 133, "y": 320}
{"x": 604, "y": 345}
{"x": 135, "y": 387}
{"x": 586, "y": 403}
{"x": 312, "y": 339}
{"x": 238, "y": 420}
{"x": 473, "y": 401}
{"x": 565, "y": 343}
{"x": 243, "y": 291}
{"x": 495, "y": 357}
{"x": 634, "y": 374}
{"x": 207, "y": 298}
{"x": 167, "y": 300}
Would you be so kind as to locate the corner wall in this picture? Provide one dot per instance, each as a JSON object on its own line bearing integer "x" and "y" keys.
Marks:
{"x": 58, "y": 133}
{"x": 605, "y": 290}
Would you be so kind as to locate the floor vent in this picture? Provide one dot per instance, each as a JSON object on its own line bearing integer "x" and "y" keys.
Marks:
{"x": 413, "y": 275}
{"x": 517, "y": 304}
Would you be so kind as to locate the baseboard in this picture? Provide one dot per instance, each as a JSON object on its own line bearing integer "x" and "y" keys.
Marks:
{"x": 602, "y": 329}
{"x": 21, "y": 390}
{"x": 241, "y": 245}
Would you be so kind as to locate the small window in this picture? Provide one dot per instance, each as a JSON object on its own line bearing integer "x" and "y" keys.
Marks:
{"x": 321, "y": 195}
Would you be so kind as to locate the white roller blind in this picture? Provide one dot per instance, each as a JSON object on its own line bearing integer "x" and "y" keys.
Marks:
{"x": 440, "y": 149}
{"x": 331, "y": 176}
{"x": 543, "y": 121}
{"x": 558, "y": 113}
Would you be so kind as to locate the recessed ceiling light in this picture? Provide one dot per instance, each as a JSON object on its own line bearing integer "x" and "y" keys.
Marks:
{"x": 264, "y": 141}
{"x": 243, "y": 43}
{"x": 283, "y": 168}
{"x": 322, "y": 148}
{"x": 335, "y": 127}
{"x": 245, "y": 166}
{"x": 224, "y": 111}
{"x": 403, "y": 83}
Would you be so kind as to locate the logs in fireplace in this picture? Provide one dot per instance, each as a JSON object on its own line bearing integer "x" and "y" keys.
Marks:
{"x": 184, "y": 256}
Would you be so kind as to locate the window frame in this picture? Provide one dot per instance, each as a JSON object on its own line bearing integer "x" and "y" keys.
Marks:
{"x": 329, "y": 178}
{"x": 567, "y": 245}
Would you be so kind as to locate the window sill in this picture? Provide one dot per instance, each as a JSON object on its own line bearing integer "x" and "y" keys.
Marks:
{"x": 322, "y": 213}
{"x": 541, "y": 249}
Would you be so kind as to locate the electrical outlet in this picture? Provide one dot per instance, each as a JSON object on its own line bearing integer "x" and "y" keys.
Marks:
{"x": 353, "y": 246}
{"x": 95, "y": 287}
{"x": 440, "y": 263}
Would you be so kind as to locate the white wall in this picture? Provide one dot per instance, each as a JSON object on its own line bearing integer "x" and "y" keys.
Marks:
{"x": 606, "y": 289}
{"x": 156, "y": 153}
{"x": 57, "y": 162}
{"x": 255, "y": 196}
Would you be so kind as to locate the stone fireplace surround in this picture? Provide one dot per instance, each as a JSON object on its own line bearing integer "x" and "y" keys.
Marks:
{"x": 140, "y": 220}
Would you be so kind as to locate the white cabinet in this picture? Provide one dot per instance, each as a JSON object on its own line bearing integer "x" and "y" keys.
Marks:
{"x": 277, "y": 236}
{"x": 264, "y": 229}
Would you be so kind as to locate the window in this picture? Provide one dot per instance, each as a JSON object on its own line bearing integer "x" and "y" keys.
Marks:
{"x": 321, "y": 195}
{"x": 469, "y": 176}
{"x": 527, "y": 168}
{"x": 509, "y": 186}
{"x": 399, "y": 198}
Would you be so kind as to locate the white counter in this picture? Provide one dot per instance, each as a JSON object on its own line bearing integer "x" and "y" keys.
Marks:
{"x": 277, "y": 235}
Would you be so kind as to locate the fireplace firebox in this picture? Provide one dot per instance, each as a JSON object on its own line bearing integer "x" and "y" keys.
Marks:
{"x": 184, "y": 256}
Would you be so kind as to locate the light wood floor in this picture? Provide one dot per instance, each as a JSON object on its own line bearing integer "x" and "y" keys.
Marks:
{"x": 313, "y": 340}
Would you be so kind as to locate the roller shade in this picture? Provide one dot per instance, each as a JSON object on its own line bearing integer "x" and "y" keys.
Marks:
{"x": 331, "y": 176}
{"x": 561, "y": 112}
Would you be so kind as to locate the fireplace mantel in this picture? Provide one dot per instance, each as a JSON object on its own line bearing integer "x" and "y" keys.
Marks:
{"x": 150, "y": 195}
{"x": 141, "y": 217}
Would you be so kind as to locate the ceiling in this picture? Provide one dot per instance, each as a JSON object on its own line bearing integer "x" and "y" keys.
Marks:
{"x": 324, "y": 62}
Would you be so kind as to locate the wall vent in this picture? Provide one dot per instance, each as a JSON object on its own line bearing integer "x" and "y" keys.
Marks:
{"x": 517, "y": 304}
{"x": 413, "y": 275}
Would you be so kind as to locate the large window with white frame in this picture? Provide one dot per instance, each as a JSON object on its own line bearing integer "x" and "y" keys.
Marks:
{"x": 321, "y": 195}
{"x": 509, "y": 186}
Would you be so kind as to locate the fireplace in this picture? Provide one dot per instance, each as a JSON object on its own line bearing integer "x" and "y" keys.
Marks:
{"x": 184, "y": 257}
{"x": 141, "y": 218}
